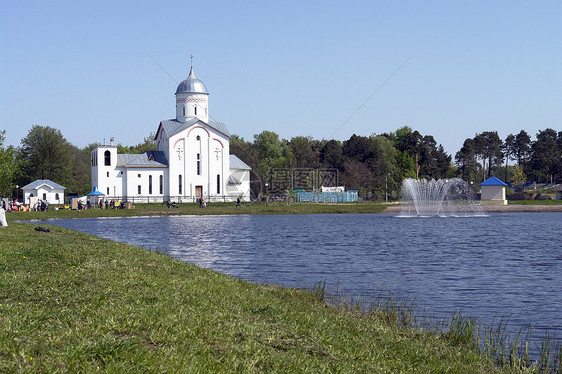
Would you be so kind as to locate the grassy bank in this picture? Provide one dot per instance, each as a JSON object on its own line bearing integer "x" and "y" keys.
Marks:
{"x": 73, "y": 302}
{"x": 534, "y": 202}
{"x": 211, "y": 209}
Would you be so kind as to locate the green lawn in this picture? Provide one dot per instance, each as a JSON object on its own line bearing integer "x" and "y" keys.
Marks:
{"x": 71, "y": 302}
{"x": 212, "y": 209}
{"x": 534, "y": 202}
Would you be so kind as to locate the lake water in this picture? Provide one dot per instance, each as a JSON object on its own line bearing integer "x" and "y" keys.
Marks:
{"x": 503, "y": 266}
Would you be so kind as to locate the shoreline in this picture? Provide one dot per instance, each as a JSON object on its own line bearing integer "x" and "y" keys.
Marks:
{"x": 510, "y": 208}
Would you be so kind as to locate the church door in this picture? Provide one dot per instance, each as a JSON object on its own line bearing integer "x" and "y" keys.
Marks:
{"x": 198, "y": 192}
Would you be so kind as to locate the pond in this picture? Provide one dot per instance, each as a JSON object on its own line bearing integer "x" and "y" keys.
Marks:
{"x": 503, "y": 266}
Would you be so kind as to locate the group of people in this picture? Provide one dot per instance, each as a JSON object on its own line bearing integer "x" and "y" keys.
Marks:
{"x": 16, "y": 206}
{"x": 103, "y": 204}
{"x": 202, "y": 203}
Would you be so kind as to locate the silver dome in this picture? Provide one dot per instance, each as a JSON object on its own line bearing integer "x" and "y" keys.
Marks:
{"x": 192, "y": 85}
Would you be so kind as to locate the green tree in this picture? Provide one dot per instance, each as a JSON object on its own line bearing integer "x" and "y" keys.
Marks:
{"x": 488, "y": 148}
{"x": 79, "y": 176}
{"x": 465, "y": 159}
{"x": 272, "y": 152}
{"x": 519, "y": 176}
{"x": 244, "y": 150}
{"x": 522, "y": 147}
{"x": 45, "y": 154}
{"x": 545, "y": 159}
{"x": 357, "y": 175}
{"x": 304, "y": 151}
{"x": 384, "y": 166}
{"x": 148, "y": 144}
{"x": 8, "y": 166}
{"x": 405, "y": 164}
{"x": 508, "y": 149}
{"x": 411, "y": 142}
{"x": 331, "y": 154}
{"x": 357, "y": 148}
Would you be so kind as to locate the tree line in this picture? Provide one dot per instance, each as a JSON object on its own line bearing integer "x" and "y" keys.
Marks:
{"x": 374, "y": 165}
{"x": 377, "y": 164}
{"x": 44, "y": 153}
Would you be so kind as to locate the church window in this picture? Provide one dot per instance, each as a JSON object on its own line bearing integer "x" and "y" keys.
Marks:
{"x": 107, "y": 191}
{"x": 179, "y": 189}
{"x": 108, "y": 174}
{"x": 198, "y": 138}
{"x": 138, "y": 175}
{"x": 218, "y": 183}
{"x": 161, "y": 184}
{"x": 150, "y": 184}
{"x": 57, "y": 196}
{"x": 195, "y": 108}
{"x": 199, "y": 164}
{"x": 184, "y": 111}
{"x": 44, "y": 196}
{"x": 139, "y": 189}
{"x": 107, "y": 155}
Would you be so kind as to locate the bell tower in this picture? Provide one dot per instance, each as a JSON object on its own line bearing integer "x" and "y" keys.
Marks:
{"x": 192, "y": 99}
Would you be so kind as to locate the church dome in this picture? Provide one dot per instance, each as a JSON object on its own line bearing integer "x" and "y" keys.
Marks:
{"x": 192, "y": 85}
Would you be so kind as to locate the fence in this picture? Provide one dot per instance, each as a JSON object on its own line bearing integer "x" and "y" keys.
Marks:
{"x": 328, "y": 197}
{"x": 165, "y": 199}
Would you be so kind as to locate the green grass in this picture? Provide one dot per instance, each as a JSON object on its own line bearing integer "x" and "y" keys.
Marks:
{"x": 71, "y": 302}
{"x": 212, "y": 209}
{"x": 534, "y": 202}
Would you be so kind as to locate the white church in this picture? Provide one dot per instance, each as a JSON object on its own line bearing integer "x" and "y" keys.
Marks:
{"x": 191, "y": 160}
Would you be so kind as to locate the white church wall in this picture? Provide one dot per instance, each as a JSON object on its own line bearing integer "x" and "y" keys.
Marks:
{"x": 143, "y": 184}
{"x": 199, "y": 155}
{"x": 241, "y": 189}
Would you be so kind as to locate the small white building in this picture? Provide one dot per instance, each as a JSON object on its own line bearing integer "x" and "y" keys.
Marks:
{"x": 493, "y": 191}
{"x": 191, "y": 161}
{"x": 44, "y": 189}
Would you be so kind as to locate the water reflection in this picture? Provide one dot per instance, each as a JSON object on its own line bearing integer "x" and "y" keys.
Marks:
{"x": 504, "y": 266}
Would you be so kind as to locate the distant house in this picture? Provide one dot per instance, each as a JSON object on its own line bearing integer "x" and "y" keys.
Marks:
{"x": 493, "y": 191}
{"x": 44, "y": 189}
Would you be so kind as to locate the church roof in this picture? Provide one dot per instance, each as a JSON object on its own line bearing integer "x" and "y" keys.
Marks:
{"x": 152, "y": 159}
{"x": 236, "y": 163}
{"x": 40, "y": 182}
{"x": 192, "y": 85}
{"x": 173, "y": 126}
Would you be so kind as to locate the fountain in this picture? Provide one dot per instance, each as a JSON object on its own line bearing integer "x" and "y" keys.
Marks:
{"x": 441, "y": 197}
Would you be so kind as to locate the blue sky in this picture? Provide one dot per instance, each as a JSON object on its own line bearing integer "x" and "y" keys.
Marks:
{"x": 292, "y": 67}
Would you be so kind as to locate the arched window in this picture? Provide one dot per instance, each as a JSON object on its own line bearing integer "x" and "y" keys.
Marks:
{"x": 218, "y": 183}
{"x": 57, "y": 196}
{"x": 107, "y": 155}
{"x": 179, "y": 189}
{"x": 150, "y": 184}
{"x": 195, "y": 109}
{"x": 44, "y": 196}
{"x": 184, "y": 111}
{"x": 161, "y": 184}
